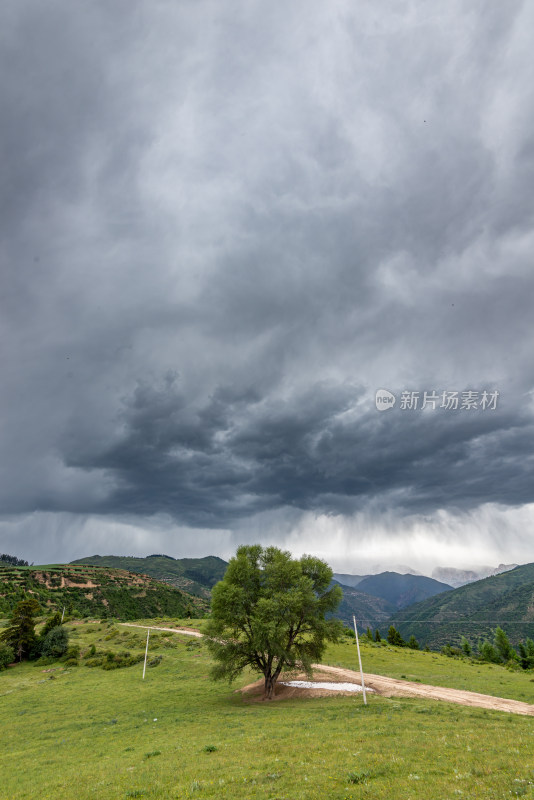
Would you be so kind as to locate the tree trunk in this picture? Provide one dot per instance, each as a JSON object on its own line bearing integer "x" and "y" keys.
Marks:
{"x": 268, "y": 691}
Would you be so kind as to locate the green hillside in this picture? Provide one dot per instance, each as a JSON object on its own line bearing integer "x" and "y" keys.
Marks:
{"x": 474, "y": 611}
{"x": 194, "y": 575}
{"x": 401, "y": 590}
{"x": 373, "y": 612}
{"x": 95, "y": 591}
{"x": 85, "y": 732}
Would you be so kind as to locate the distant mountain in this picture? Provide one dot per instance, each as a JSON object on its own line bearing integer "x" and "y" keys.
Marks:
{"x": 474, "y": 610}
{"x": 401, "y": 590}
{"x": 95, "y": 591}
{"x": 459, "y": 577}
{"x": 194, "y": 575}
{"x": 372, "y": 612}
{"x": 348, "y": 580}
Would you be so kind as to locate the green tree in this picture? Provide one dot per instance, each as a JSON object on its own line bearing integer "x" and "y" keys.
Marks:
{"x": 503, "y": 646}
{"x": 51, "y": 622}
{"x": 394, "y": 637}
{"x": 413, "y": 644}
{"x": 268, "y": 612}
{"x": 6, "y": 655}
{"x": 20, "y": 635}
{"x": 489, "y": 652}
{"x": 465, "y": 647}
{"x": 377, "y": 636}
{"x": 526, "y": 654}
{"x": 56, "y": 642}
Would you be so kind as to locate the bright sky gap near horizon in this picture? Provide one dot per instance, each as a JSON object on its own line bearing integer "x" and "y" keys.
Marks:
{"x": 224, "y": 228}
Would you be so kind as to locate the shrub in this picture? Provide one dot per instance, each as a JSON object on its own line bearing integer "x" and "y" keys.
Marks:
{"x": 358, "y": 777}
{"x": 447, "y": 650}
{"x": 72, "y": 655}
{"x": 7, "y": 655}
{"x": 56, "y": 642}
{"x": 110, "y": 660}
{"x": 466, "y": 647}
{"x": 52, "y": 622}
{"x": 488, "y": 652}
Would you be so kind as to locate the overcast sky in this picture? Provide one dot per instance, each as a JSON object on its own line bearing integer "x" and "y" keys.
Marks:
{"x": 224, "y": 227}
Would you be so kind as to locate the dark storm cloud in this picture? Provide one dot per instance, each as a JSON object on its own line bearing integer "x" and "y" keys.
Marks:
{"x": 223, "y": 228}
{"x": 316, "y": 451}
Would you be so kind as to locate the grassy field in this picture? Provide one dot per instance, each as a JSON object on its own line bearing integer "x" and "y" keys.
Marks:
{"x": 88, "y": 733}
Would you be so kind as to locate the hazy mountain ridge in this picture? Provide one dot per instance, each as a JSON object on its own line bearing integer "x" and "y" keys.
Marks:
{"x": 402, "y": 590}
{"x": 459, "y": 577}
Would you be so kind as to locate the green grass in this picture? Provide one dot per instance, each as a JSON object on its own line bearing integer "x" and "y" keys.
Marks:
{"x": 96, "y": 734}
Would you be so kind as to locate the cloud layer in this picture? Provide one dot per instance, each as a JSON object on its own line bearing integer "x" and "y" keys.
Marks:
{"x": 223, "y": 229}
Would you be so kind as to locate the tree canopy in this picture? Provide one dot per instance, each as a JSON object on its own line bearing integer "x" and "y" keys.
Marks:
{"x": 20, "y": 635}
{"x": 268, "y": 612}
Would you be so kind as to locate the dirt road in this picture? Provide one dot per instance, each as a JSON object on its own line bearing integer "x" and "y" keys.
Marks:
{"x": 387, "y": 687}
{"x": 187, "y": 631}
{"x": 391, "y": 687}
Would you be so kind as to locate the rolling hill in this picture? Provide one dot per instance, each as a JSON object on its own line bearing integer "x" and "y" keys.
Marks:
{"x": 194, "y": 575}
{"x": 474, "y": 611}
{"x": 95, "y": 591}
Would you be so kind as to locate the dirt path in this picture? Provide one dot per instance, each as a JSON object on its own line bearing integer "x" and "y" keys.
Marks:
{"x": 187, "y": 631}
{"x": 387, "y": 687}
{"x": 391, "y": 687}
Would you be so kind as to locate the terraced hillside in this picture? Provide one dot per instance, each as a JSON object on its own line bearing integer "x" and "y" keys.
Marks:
{"x": 96, "y": 591}
{"x": 194, "y": 575}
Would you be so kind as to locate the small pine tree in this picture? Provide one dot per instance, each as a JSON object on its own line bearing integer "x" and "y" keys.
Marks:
{"x": 413, "y": 643}
{"x": 523, "y": 656}
{"x": 394, "y": 637}
{"x": 369, "y": 633}
{"x": 503, "y": 646}
{"x": 466, "y": 647}
{"x": 20, "y": 635}
{"x": 377, "y": 636}
{"x": 526, "y": 654}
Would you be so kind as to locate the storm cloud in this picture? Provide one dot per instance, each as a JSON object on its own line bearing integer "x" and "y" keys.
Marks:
{"x": 224, "y": 228}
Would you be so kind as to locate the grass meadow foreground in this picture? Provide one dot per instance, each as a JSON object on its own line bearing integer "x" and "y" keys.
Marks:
{"x": 97, "y": 733}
